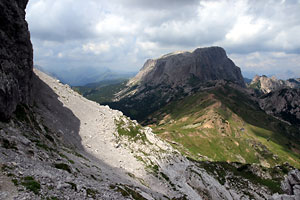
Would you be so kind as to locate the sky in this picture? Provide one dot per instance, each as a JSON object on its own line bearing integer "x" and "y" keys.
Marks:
{"x": 260, "y": 36}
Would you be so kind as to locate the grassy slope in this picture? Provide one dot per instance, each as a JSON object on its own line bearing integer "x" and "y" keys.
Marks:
{"x": 223, "y": 124}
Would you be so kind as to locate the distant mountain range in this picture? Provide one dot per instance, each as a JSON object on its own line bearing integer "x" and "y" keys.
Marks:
{"x": 280, "y": 75}
{"x": 85, "y": 75}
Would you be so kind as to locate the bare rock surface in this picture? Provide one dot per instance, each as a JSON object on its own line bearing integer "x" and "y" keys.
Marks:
{"x": 283, "y": 104}
{"x": 7, "y": 189}
{"x": 15, "y": 57}
{"x": 291, "y": 185}
{"x": 279, "y": 98}
{"x": 177, "y": 69}
{"x": 266, "y": 85}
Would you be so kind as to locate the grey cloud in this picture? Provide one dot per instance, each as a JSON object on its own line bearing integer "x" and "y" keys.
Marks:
{"x": 61, "y": 20}
{"x": 159, "y": 4}
{"x": 281, "y": 30}
{"x": 123, "y": 34}
{"x": 268, "y": 63}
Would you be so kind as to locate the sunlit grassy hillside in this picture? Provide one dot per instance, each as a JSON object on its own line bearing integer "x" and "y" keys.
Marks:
{"x": 224, "y": 124}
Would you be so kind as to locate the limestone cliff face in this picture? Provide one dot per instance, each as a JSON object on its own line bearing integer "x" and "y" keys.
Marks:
{"x": 283, "y": 103}
{"x": 187, "y": 68}
{"x": 266, "y": 85}
{"x": 280, "y": 98}
{"x": 16, "y": 57}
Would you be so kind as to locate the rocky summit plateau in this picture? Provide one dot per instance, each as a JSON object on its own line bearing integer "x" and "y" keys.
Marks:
{"x": 56, "y": 144}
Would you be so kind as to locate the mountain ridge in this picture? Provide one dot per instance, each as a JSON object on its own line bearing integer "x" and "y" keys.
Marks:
{"x": 223, "y": 124}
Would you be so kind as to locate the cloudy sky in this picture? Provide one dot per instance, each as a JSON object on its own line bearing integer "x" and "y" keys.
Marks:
{"x": 260, "y": 36}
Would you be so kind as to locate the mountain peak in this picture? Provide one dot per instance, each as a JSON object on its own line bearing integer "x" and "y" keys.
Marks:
{"x": 174, "y": 76}
{"x": 183, "y": 68}
{"x": 217, "y": 51}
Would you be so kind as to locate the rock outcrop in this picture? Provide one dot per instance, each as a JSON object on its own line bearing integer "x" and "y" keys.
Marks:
{"x": 16, "y": 57}
{"x": 291, "y": 186}
{"x": 265, "y": 84}
{"x": 283, "y": 103}
{"x": 173, "y": 76}
{"x": 279, "y": 98}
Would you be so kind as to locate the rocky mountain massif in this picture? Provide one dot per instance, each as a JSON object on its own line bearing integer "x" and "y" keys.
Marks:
{"x": 184, "y": 69}
{"x": 63, "y": 146}
{"x": 266, "y": 85}
{"x": 279, "y": 98}
{"x": 15, "y": 57}
{"x": 284, "y": 104}
{"x": 174, "y": 75}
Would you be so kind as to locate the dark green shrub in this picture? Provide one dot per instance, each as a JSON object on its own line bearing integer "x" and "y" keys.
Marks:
{"x": 31, "y": 184}
{"x": 62, "y": 166}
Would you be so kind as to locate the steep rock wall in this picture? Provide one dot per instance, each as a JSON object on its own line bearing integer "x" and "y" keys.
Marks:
{"x": 183, "y": 68}
{"x": 16, "y": 57}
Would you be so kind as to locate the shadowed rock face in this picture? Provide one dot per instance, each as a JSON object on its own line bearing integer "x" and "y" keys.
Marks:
{"x": 283, "y": 103}
{"x": 280, "y": 98}
{"x": 16, "y": 57}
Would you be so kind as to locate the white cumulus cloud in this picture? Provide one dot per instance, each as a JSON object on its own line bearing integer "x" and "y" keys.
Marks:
{"x": 260, "y": 36}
